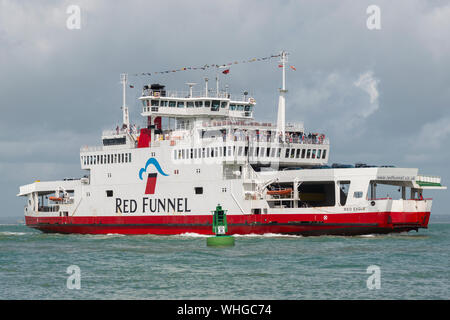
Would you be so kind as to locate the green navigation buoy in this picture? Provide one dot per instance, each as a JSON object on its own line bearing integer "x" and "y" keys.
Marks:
{"x": 220, "y": 228}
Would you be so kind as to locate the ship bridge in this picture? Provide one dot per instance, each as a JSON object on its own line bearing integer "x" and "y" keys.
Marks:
{"x": 157, "y": 101}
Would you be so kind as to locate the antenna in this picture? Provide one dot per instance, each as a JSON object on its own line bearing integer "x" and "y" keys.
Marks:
{"x": 206, "y": 87}
{"x": 217, "y": 84}
{"x": 190, "y": 84}
{"x": 281, "y": 120}
{"x": 126, "y": 118}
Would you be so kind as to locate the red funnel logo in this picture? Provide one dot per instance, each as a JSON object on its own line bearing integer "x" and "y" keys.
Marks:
{"x": 151, "y": 179}
{"x": 151, "y": 183}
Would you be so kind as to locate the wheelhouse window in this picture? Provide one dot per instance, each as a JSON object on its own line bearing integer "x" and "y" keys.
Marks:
{"x": 155, "y": 103}
{"x": 215, "y": 105}
{"x": 180, "y": 104}
{"x": 172, "y": 104}
{"x": 190, "y": 104}
{"x": 198, "y": 104}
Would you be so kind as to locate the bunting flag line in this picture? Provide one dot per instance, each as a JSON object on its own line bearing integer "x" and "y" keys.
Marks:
{"x": 207, "y": 66}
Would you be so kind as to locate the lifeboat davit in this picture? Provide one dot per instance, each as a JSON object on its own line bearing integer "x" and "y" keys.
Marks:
{"x": 280, "y": 192}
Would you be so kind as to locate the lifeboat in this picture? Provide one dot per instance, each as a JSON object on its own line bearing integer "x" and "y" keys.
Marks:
{"x": 55, "y": 198}
{"x": 280, "y": 191}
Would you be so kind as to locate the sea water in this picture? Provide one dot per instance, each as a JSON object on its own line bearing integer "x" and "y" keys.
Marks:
{"x": 35, "y": 265}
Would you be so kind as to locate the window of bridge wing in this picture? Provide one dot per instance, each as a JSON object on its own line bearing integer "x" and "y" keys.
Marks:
{"x": 232, "y": 107}
{"x": 344, "y": 186}
{"x": 215, "y": 105}
{"x": 240, "y": 107}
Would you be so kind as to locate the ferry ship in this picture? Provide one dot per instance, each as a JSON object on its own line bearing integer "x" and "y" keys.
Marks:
{"x": 201, "y": 149}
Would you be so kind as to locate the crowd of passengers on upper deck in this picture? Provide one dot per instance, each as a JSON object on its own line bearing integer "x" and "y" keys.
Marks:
{"x": 241, "y": 135}
{"x": 269, "y": 136}
{"x": 250, "y": 135}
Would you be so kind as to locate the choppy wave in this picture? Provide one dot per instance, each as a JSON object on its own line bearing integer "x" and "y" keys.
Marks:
{"x": 10, "y": 233}
{"x": 193, "y": 235}
{"x": 267, "y": 235}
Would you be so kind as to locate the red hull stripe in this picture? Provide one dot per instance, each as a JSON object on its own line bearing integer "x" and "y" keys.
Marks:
{"x": 307, "y": 224}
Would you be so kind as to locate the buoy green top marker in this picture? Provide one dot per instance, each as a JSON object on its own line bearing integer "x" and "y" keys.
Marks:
{"x": 220, "y": 228}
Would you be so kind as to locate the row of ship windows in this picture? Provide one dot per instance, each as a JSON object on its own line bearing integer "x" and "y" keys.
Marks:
{"x": 211, "y": 152}
{"x": 214, "y": 104}
{"x": 106, "y": 158}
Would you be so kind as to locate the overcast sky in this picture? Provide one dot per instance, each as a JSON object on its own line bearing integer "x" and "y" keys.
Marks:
{"x": 382, "y": 96}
